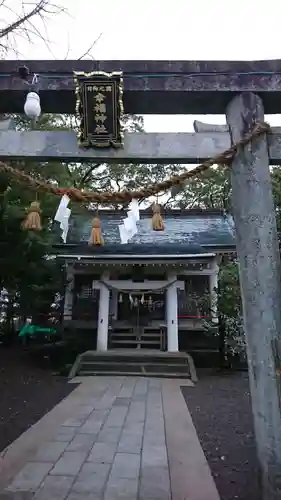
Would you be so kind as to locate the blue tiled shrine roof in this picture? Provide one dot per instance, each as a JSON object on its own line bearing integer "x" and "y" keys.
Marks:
{"x": 185, "y": 231}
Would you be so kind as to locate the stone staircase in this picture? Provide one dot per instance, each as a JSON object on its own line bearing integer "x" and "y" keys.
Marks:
{"x": 135, "y": 362}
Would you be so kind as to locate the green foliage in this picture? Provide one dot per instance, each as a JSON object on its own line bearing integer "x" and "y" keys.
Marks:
{"x": 230, "y": 318}
{"x": 28, "y": 277}
{"x": 212, "y": 189}
{"x": 230, "y": 310}
{"x": 229, "y": 297}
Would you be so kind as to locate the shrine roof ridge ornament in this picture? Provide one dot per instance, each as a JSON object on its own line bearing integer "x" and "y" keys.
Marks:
{"x": 150, "y": 87}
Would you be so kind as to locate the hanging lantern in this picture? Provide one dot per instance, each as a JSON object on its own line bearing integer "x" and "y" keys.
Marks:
{"x": 157, "y": 220}
{"x": 33, "y": 220}
{"x": 32, "y": 106}
{"x": 96, "y": 238}
{"x": 142, "y": 299}
{"x": 120, "y": 300}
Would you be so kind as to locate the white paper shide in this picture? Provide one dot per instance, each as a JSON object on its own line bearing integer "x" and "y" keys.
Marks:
{"x": 129, "y": 227}
{"x": 62, "y": 216}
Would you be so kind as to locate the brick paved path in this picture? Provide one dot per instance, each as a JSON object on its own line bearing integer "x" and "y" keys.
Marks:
{"x": 128, "y": 438}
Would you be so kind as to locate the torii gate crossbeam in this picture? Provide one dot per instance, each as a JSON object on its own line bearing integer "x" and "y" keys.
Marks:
{"x": 150, "y": 87}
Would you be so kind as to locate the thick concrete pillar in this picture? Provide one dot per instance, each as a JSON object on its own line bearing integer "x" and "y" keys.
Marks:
{"x": 68, "y": 296}
{"x": 213, "y": 283}
{"x": 172, "y": 316}
{"x": 102, "y": 334}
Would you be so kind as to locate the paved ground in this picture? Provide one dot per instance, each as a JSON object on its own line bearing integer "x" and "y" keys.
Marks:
{"x": 124, "y": 438}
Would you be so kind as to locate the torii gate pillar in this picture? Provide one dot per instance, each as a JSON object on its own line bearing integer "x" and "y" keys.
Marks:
{"x": 260, "y": 278}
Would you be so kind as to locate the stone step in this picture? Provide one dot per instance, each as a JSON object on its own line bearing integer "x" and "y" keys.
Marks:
{"x": 134, "y": 340}
{"x": 129, "y": 341}
{"x": 139, "y": 355}
{"x": 84, "y": 373}
{"x": 133, "y": 366}
{"x": 130, "y": 334}
{"x": 134, "y": 362}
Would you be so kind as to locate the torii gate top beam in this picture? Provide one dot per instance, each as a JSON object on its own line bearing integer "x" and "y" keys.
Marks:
{"x": 150, "y": 87}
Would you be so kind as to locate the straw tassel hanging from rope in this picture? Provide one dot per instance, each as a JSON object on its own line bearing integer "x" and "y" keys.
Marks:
{"x": 96, "y": 238}
{"x": 157, "y": 220}
{"x": 33, "y": 220}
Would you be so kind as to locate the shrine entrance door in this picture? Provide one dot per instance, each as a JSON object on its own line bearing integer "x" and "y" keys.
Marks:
{"x": 140, "y": 320}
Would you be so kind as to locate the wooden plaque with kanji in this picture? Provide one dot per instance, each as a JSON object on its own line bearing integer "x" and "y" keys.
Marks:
{"x": 100, "y": 109}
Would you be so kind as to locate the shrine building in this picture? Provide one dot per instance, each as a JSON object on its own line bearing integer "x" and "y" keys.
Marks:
{"x": 146, "y": 294}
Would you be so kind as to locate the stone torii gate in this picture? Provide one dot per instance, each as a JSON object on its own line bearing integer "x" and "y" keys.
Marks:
{"x": 244, "y": 91}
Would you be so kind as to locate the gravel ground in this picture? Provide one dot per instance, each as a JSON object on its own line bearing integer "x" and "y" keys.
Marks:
{"x": 26, "y": 394}
{"x": 221, "y": 411}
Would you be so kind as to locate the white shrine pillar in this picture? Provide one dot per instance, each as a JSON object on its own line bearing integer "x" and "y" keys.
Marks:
{"x": 172, "y": 315}
{"x": 68, "y": 294}
{"x": 213, "y": 283}
{"x": 102, "y": 333}
{"x": 114, "y": 304}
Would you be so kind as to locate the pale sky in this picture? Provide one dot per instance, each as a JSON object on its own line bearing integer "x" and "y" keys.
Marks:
{"x": 159, "y": 29}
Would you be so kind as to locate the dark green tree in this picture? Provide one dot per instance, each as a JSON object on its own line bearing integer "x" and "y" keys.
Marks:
{"x": 28, "y": 277}
{"x": 212, "y": 189}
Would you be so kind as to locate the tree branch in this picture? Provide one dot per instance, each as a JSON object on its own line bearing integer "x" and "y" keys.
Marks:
{"x": 41, "y": 5}
{"x": 22, "y": 25}
{"x": 88, "y": 51}
{"x": 88, "y": 173}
